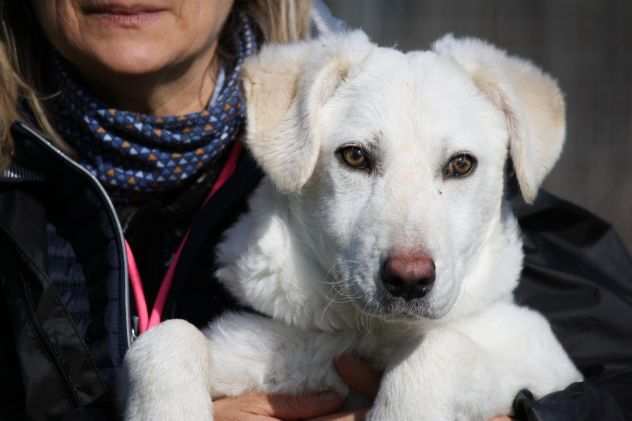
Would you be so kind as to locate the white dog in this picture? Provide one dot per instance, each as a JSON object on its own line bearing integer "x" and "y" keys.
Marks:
{"x": 381, "y": 229}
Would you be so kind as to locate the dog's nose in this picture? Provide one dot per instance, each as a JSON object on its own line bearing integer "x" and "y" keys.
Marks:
{"x": 408, "y": 276}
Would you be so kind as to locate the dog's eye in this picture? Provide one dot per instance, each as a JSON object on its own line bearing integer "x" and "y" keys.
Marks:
{"x": 355, "y": 157}
{"x": 460, "y": 165}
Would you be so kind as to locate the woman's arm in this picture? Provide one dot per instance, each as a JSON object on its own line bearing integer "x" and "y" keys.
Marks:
{"x": 598, "y": 398}
{"x": 579, "y": 275}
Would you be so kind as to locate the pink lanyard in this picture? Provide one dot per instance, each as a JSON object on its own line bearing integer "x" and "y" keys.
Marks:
{"x": 147, "y": 321}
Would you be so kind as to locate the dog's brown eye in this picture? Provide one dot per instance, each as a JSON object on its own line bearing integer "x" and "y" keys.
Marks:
{"x": 355, "y": 157}
{"x": 460, "y": 165}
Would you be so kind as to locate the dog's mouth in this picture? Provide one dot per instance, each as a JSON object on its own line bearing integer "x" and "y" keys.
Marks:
{"x": 383, "y": 304}
{"x": 397, "y": 309}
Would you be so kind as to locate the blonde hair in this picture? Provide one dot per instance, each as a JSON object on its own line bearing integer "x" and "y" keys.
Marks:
{"x": 24, "y": 51}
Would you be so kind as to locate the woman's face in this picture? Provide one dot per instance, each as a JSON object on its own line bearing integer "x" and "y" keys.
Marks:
{"x": 131, "y": 37}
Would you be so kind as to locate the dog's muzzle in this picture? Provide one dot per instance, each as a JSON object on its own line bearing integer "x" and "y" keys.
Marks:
{"x": 408, "y": 276}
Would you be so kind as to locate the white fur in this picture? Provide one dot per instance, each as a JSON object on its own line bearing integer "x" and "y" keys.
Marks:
{"x": 309, "y": 252}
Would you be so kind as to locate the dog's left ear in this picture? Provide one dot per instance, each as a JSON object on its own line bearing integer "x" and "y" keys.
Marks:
{"x": 286, "y": 86}
{"x": 531, "y": 101}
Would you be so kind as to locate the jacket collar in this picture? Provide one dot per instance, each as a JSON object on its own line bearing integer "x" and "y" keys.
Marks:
{"x": 34, "y": 155}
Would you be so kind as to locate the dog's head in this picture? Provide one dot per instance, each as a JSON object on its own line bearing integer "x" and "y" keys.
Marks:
{"x": 393, "y": 164}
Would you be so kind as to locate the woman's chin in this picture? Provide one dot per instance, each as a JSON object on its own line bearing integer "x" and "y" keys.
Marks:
{"x": 125, "y": 60}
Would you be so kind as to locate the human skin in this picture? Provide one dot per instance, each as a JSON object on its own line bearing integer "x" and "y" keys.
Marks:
{"x": 152, "y": 56}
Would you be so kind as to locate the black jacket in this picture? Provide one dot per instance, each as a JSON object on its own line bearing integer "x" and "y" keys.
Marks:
{"x": 54, "y": 367}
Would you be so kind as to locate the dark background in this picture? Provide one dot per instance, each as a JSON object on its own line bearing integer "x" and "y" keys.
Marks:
{"x": 585, "y": 44}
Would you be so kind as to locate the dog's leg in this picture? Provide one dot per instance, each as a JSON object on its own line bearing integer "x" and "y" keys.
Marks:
{"x": 253, "y": 353}
{"x": 471, "y": 370}
{"x": 521, "y": 343}
{"x": 165, "y": 375}
{"x": 172, "y": 371}
{"x": 429, "y": 382}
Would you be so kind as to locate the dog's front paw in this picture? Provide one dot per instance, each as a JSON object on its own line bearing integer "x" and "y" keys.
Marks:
{"x": 395, "y": 407}
{"x": 165, "y": 375}
{"x": 189, "y": 405}
{"x": 447, "y": 378}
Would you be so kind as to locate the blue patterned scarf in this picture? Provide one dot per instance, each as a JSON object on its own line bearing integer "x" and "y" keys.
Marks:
{"x": 132, "y": 152}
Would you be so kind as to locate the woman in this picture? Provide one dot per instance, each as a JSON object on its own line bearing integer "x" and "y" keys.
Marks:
{"x": 156, "y": 59}
{"x": 128, "y": 112}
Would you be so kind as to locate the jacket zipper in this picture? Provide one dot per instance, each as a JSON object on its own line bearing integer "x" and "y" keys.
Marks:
{"x": 127, "y": 334}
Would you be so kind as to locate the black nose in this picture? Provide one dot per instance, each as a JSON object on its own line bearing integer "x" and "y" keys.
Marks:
{"x": 408, "y": 276}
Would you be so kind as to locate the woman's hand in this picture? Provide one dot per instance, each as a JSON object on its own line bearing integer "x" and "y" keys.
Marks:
{"x": 361, "y": 378}
{"x": 262, "y": 407}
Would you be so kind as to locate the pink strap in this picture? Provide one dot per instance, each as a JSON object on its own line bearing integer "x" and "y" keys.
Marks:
{"x": 137, "y": 289}
{"x": 147, "y": 322}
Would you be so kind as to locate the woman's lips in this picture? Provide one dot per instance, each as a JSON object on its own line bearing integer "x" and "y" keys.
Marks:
{"x": 128, "y": 20}
{"x": 125, "y": 15}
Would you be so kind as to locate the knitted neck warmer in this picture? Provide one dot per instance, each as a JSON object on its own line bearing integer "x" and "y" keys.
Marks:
{"x": 132, "y": 152}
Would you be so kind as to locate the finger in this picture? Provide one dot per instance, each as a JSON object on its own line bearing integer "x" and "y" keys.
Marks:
{"x": 503, "y": 418}
{"x": 232, "y": 409}
{"x": 241, "y": 416}
{"x": 291, "y": 407}
{"x": 358, "y": 375}
{"x": 345, "y": 416}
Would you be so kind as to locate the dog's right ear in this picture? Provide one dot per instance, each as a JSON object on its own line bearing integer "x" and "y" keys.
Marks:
{"x": 285, "y": 87}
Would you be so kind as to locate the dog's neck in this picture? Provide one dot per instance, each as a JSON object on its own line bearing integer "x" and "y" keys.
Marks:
{"x": 268, "y": 268}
